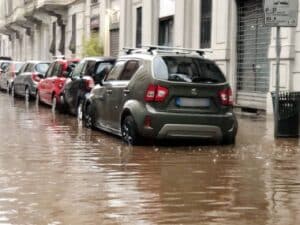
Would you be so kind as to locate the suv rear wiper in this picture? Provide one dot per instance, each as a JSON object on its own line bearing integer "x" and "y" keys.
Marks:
{"x": 205, "y": 79}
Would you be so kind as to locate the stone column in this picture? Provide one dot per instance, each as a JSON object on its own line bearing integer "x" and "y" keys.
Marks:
{"x": 150, "y": 22}
{"x": 126, "y": 26}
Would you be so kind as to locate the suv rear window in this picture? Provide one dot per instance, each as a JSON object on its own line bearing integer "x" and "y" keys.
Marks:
{"x": 187, "y": 69}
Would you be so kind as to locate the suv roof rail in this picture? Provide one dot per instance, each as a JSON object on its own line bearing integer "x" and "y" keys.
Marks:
{"x": 129, "y": 51}
{"x": 151, "y": 48}
{"x": 154, "y": 49}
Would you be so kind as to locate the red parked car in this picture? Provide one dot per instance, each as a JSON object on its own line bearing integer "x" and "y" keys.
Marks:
{"x": 49, "y": 89}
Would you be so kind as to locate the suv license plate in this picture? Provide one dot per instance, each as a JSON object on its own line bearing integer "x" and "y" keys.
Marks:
{"x": 193, "y": 102}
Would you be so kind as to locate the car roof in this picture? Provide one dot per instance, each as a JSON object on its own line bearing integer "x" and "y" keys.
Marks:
{"x": 5, "y": 61}
{"x": 36, "y": 61}
{"x": 148, "y": 56}
{"x": 17, "y": 62}
{"x": 100, "y": 58}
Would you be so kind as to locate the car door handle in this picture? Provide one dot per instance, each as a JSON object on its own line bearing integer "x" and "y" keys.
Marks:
{"x": 109, "y": 92}
{"x": 101, "y": 98}
{"x": 126, "y": 91}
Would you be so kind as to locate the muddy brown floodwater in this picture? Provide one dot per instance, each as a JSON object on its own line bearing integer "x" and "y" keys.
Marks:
{"x": 53, "y": 171}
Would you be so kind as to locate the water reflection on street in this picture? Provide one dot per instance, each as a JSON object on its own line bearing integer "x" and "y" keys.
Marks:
{"x": 53, "y": 171}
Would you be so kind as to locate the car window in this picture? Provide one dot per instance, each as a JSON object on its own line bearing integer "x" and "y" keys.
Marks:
{"x": 78, "y": 69}
{"x": 23, "y": 68}
{"x": 28, "y": 68}
{"x": 130, "y": 68}
{"x": 160, "y": 69}
{"x": 50, "y": 69}
{"x": 116, "y": 71}
{"x": 89, "y": 68}
{"x": 57, "y": 70}
{"x": 42, "y": 67}
{"x": 18, "y": 66}
{"x": 5, "y": 65}
{"x": 103, "y": 66}
{"x": 188, "y": 69}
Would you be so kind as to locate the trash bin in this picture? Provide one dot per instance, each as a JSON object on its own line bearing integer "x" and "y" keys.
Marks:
{"x": 288, "y": 118}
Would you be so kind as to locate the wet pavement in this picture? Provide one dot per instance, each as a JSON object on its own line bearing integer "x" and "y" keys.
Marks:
{"x": 53, "y": 171}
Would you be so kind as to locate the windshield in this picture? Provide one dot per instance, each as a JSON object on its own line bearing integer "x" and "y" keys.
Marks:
{"x": 42, "y": 67}
{"x": 187, "y": 69}
{"x": 18, "y": 66}
{"x": 103, "y": 66}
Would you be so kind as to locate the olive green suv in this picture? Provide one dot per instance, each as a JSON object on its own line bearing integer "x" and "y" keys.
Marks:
{"x": 163, "y": 93}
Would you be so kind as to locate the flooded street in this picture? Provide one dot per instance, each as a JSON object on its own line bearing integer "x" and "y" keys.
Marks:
{"x": 53, "y": 171}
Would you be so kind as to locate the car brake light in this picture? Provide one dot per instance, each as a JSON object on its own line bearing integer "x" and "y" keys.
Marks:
{"x": 150, "y": 93}
{"x": 35, "y": 77}
{"x": 156, "y": 93}
{"x": 226, "y": 97}
{"x": 89, "y": 84}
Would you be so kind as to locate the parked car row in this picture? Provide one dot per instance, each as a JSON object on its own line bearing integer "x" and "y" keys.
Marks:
{"x": 146, "y": 94}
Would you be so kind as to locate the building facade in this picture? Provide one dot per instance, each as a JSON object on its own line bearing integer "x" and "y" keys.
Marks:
{"x": 232, "y": 31}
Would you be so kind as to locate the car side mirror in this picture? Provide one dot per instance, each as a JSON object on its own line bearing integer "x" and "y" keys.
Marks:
{"x": 98, "y": 78}
{"x": 41, "y": 76}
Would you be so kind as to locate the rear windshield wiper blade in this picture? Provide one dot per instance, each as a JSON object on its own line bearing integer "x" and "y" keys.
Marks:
{"x": 205, "y": 79}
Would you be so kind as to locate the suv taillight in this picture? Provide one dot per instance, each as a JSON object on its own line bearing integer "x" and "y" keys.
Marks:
{"x": 156, "y": 93}
{"x": 226, "y": 97}
{"x": 89, "y": 84}
{"x": 35, "y": 77}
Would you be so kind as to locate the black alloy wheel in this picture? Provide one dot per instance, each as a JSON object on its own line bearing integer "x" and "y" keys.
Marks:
{"x": 129, "y": 131}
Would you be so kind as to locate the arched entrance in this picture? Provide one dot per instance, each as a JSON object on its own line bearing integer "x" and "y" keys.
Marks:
{"x": 253, "y": 68}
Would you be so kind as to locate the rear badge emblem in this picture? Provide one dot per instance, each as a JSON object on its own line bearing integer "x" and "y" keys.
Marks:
{"x": 194, "y": 91}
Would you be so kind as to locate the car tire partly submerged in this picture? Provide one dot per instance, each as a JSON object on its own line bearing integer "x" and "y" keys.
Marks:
{"x": 27, "y": 94}
{"x": 53, "y": 104}
{"x": 79, "y": 109}
{"x": 12, "y": 90}
{"x": 129, "y": 131}
{"x": 37, "y": 98}
{"x": 228, "y": 140}
{"x": 88, "y": 120}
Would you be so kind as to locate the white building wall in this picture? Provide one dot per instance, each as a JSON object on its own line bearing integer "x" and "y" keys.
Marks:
{"x": 79, "y": 10}
{"x": 187, "y": 16}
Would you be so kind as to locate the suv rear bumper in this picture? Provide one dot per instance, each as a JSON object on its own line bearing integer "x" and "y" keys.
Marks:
{"x": 187, "y": 126}
{"x": 189, "y": 131}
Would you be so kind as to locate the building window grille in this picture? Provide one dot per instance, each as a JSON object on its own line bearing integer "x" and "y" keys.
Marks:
{"x": 166, "y": 31}
{"x": 139, "y": 17}
{"x": 72, "y": 45}
{"x": 53, "y": 43}
{"x": 206, "y": 21}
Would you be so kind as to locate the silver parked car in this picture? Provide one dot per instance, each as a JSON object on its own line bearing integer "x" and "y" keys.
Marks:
{"x": 9, "y": 74}
{"x": 26, "y": 81}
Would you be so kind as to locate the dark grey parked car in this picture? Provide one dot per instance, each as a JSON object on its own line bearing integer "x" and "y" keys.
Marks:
{"x": 155, "y": 94}
{"x": 81, "y": 81}
{"x": 25, "y": 82}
